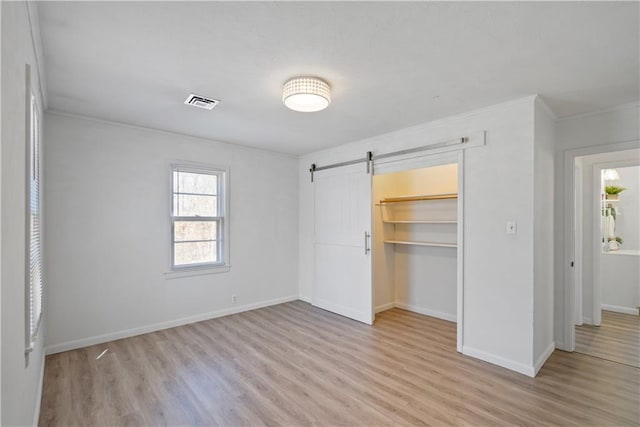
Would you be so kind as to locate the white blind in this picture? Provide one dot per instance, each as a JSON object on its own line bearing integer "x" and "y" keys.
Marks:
{"x": 35, "y": 291}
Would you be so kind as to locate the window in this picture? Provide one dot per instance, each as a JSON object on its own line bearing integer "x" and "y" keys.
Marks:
{"x": 198, "y": 222}
{"x": 34, "y": 254}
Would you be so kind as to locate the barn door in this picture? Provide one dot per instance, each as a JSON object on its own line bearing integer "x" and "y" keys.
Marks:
{"x": 342, "y": 242}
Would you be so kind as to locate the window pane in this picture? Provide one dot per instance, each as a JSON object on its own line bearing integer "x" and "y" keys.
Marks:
{"x": 189, "y": 205}
{"x": 194, "y": 230}
{"x": 198, "y": 183}
{"x": 195, "y": 253}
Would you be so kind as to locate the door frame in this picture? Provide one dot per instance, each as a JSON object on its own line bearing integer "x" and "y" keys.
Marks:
{"x": 569, "y": 157}
{"x": 578, "y": 224}
{"x": 597, "y": 231}
{"x": 405, "y": 163}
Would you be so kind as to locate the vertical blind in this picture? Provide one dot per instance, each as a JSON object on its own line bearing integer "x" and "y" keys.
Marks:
{"x": 35, "y": 284}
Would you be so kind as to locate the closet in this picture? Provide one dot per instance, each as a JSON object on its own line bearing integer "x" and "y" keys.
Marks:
{"x": 415, "y": 240}
{"x": 387, "y": 232}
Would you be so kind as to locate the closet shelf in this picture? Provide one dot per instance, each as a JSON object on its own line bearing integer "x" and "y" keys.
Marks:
{"x": 419, "y": 198}
{"x": 419, "y": 222}
{"x": 406, "y": 242}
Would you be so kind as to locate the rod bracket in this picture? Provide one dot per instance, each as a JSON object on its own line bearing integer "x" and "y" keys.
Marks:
{"x": 312, "y": 170}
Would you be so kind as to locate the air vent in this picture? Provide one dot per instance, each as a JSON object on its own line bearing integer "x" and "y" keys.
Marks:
{"x": 201, "y": 102}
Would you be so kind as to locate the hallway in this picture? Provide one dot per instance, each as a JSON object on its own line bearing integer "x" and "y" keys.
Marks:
{"x": 616, "y": 339}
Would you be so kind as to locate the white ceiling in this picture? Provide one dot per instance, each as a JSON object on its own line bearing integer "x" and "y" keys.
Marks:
{"x": 391, "y": 65}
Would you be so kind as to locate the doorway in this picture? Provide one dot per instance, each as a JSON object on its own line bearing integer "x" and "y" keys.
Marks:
{"x": 417, "y": 238}
{"x": 606, "y": 250}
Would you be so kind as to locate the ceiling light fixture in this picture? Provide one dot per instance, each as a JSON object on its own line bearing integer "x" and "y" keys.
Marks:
{"x": 306, "y": 94}
{"x": 610, "y": 175}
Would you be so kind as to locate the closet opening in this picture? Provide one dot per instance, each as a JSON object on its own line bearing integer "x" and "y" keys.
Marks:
{"x": 417, "y": 238}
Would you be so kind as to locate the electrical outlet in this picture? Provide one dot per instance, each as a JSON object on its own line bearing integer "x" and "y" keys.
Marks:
{"x": 511, "y": 227}
{"x": 234, "y": 299}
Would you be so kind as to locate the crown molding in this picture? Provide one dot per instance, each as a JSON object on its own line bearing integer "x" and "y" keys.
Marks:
{"x": 195, "y": 138}
{"x": 540, "y": 102}
{"x": 629, "y": 105}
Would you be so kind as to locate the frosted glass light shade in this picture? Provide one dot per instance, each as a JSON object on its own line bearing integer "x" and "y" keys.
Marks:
{"x": 610, "y": 175}
{"x": 306, "y": 94}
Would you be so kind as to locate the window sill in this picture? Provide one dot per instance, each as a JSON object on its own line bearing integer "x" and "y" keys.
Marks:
{"x": 189, "y": 272}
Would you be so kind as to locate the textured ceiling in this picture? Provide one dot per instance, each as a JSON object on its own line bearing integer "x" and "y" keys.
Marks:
{"x": 391, "y": 65}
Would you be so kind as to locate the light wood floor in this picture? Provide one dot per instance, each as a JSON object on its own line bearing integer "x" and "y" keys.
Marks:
{"x": 294, "y": 365}
{"x": 617, "y": 338}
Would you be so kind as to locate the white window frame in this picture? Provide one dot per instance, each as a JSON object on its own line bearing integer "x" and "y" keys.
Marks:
{"x": 34, "y": 312}
{"x": 222, "y": 220}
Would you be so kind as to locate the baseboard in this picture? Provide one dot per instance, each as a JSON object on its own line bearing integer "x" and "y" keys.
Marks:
{"x": 619, "y": 309}
{"x": 385, "y": 307}
{"x": 543, "y": 358}
{"x": 427, "y": 311}
{"x": 304, "y": 298}
{"x": 85, "y": 342}
{"x": 587, "y": 320}
{"x": 36, "y": 415}
{"x": 500, "y": 361}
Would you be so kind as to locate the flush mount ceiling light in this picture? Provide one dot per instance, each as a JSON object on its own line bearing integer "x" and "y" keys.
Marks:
{"x": 610, "y": 175}
{"x": 306, "y": 94}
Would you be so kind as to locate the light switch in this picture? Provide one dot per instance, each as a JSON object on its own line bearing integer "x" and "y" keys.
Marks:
{"x": 511, "y": 227}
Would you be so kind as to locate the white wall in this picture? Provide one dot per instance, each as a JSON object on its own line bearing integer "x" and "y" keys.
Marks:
{"x": 108, "y": 247}
{"x": 1, "y": 139}
{"x": 544, "y": 151}
{"x": 620, "y": 125}
{"x": 499, "y": 187}
{"x": 21, "y": 377}
{"x": 620, "y": 281}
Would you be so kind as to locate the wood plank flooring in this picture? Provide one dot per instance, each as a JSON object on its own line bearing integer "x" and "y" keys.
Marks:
{"x": 616, "y": 339}
{"x": 297, "y": 365}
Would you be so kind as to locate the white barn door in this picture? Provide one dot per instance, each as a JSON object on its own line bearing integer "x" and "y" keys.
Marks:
{"x": 342, "y": 242}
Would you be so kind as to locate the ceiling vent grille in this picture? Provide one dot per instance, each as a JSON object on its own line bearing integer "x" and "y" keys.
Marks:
{"x": 201, "y": 102}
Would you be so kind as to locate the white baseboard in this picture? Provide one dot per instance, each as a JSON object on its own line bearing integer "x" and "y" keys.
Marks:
{"x": 427, "y": 311}
{"x": 304, "y": 298}
{"x": 619, "y": 309}
{"x": 85, "y": 342}
{"x": 500, "y": 361}
{"x": 543, "y": 358}
{"x": 385, "y": 307}
{"x": 36, "y": 415}
{"x": 587, "y": 320}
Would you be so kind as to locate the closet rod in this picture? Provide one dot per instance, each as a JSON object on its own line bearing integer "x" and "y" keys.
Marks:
{"x": 370, "y": 157}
